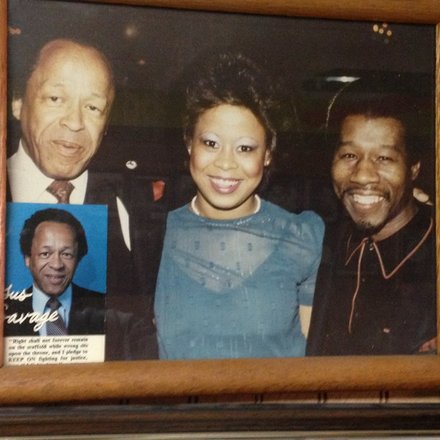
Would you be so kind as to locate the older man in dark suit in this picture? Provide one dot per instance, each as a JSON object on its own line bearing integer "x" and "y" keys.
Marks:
{"x": 63, "y": 109}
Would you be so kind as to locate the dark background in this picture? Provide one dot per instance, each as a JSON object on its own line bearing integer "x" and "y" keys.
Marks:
{"x": 153, "y": 49}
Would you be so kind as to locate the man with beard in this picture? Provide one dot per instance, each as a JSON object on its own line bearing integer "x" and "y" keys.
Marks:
{"x": 375, "y": 292}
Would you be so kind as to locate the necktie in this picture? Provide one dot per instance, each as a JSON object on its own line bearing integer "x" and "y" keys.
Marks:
{"x": 57, "y": 327}
{"x": 61, "y": 189}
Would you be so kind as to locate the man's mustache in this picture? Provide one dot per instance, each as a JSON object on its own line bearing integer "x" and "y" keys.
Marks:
{"x": 364, "y": 191}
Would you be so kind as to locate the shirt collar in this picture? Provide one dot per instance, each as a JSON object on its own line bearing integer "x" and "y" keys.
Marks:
{"x": 39, "y": 298}
{"x": 28, "y": 184}
{"x": 393, "y": 252}
{"x": 39, "y": 301}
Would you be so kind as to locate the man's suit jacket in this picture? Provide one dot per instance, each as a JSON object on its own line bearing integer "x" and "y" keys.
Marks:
{"x": 86, "y": 316}
{"x": 131, "y": 275}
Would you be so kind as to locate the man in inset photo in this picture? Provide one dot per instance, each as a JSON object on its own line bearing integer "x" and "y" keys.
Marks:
{"x": 53, "y": 243}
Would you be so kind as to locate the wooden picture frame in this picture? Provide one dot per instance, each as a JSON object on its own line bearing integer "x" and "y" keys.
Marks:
{"x": 150, "y": 379}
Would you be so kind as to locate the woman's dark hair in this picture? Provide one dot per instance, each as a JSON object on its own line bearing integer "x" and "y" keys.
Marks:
{"x": 57, "y": 216}
{"x": 385, "y": 96}
{"x": 231, "y": 78}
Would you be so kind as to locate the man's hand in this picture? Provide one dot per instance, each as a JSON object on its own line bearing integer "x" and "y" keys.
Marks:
{"x": 429, "y": 346}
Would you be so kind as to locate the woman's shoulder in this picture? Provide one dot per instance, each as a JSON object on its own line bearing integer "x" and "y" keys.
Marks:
{"x": 182, "y": 211}
{"x": 303, "y": 223}
{"x": 303, "y": 217}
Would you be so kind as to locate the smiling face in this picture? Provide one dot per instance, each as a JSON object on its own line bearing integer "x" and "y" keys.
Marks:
{"x": 228, "y": 154}
{"x": 372, "y": 176}
{"x": 65, "y": 109}
{"x": 54, "y": 257}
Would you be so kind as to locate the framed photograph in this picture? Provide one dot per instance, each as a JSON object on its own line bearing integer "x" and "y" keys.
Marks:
{"x": 25, "y": 340}
{"x": 153, "y": 47}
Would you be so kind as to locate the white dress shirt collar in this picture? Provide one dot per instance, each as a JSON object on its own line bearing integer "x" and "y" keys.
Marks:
{"x": 39, "y": 301}
{"x": 28, "y": 184}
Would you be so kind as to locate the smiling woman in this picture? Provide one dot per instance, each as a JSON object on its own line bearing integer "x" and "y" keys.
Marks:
{"x": 227, "y": 158}
{"x": 237, "y": 273}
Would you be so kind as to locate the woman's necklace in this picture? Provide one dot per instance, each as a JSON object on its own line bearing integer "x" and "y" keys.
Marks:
{"x": 197, "y": 212}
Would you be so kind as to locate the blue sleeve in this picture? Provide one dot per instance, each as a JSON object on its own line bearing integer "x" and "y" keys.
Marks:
{"x": 312, "y": 234}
